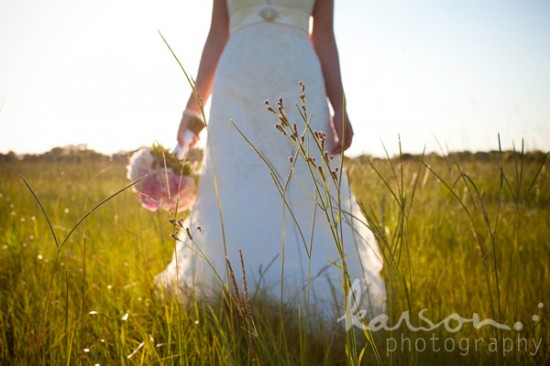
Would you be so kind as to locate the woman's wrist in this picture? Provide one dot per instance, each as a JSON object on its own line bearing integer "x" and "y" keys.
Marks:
{"x": 195, "y": 122}
{"x": 189, "y": 112}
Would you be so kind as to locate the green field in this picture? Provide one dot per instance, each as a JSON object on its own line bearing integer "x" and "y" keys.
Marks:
{"x": 461, "y": 234}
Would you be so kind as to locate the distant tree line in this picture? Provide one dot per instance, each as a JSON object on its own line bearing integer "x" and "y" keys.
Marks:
{"x": 462, "y": 156}
{"x": 78, "y": 153}
{"x": 81, "y": 153}
{"x": 71, "y": 153}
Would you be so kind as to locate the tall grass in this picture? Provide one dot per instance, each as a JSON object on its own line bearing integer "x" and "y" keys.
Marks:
{"x": 460, "y": 234}
{"x": 463, "y": 234}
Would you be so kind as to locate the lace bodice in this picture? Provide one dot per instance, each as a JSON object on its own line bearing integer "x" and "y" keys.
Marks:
{"x": 243, "y": 13}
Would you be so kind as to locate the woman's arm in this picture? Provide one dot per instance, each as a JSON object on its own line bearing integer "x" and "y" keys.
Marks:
{"x": 324, "y": 42}
{"x": 213, "y": 48}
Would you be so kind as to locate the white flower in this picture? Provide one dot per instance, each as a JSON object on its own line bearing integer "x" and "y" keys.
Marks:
{"x": 140, "y": 162}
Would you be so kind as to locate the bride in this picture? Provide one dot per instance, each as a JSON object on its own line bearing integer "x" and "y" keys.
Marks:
{"x": 302, "y": 237}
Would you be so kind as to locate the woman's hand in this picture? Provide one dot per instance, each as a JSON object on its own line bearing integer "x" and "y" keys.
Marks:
{"x": 184, "y": 123}
{"x": 343, "y": 132}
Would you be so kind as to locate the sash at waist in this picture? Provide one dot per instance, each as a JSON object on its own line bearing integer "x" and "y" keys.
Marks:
{"x": 268, "y": 14}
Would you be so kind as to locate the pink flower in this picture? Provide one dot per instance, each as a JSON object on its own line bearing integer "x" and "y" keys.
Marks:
{"x": 149, "y": 191}
{"x": 160, "y": 188}
{"x": 166, "y": 190}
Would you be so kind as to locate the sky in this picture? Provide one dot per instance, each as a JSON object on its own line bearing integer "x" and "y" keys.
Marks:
{"x": 433, "y": 75}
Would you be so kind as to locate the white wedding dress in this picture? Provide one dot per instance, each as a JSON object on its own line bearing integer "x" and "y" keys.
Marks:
{"x": 288, "y": 247}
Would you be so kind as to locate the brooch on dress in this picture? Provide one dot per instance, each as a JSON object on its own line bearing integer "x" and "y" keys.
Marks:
{"x": 269, "y": 14}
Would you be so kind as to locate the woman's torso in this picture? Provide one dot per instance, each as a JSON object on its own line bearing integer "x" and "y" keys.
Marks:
{"x": 294, "y": 13}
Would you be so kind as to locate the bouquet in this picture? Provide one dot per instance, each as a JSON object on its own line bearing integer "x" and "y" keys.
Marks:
{"x": 166, "y": 182}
